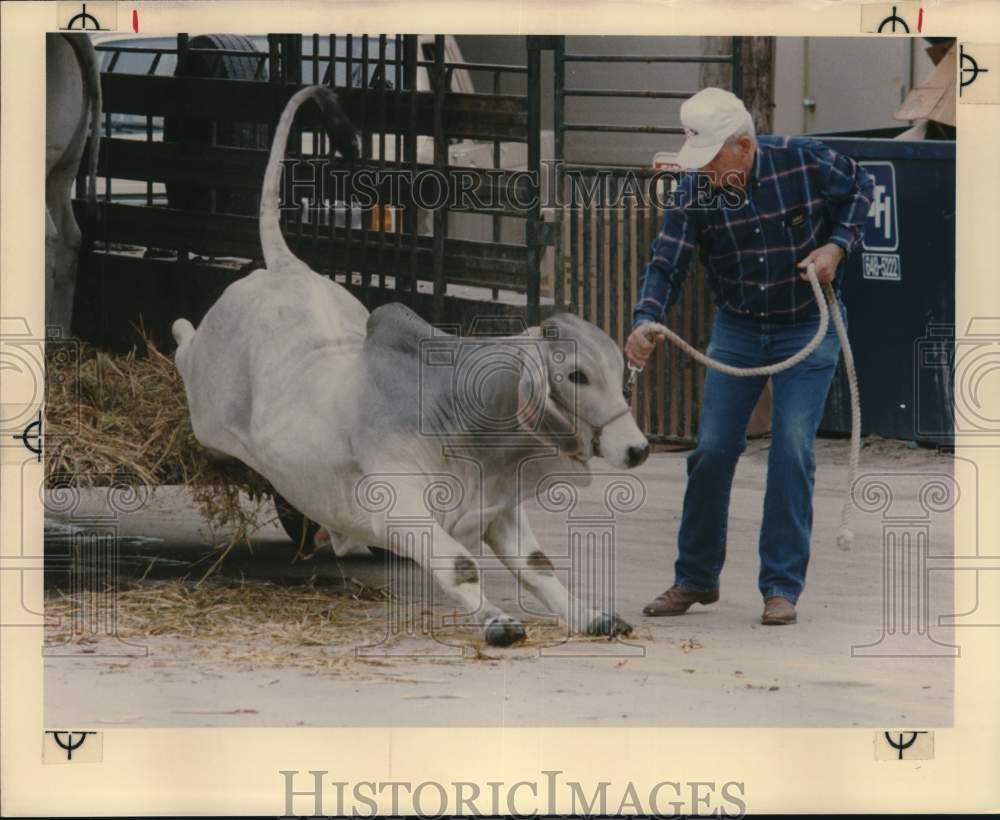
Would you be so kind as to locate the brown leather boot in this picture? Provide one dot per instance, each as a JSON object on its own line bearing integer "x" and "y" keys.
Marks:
{"x": 778, "y": 611}
{"x": 677, "y": 600}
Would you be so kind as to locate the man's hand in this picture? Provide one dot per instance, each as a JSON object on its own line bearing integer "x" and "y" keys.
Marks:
{"x": 640, "y": 346}
{"x": 825, "y": 258}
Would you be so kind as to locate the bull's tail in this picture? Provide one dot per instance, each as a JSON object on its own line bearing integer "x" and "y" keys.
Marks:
{"x": 86, "y": 56}
{"x": 183, "y": 332}
{"x": 342, "y": 137}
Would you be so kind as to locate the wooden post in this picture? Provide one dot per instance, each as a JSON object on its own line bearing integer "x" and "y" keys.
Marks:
{"x": 756, "y": 67}
{"x": 719, "y": 75}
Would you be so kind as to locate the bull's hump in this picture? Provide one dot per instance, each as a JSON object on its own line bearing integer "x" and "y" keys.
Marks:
{"x": 396, "y": 326}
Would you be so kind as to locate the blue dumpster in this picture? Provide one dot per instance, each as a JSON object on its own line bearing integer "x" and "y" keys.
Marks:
{"x": 899, "y": 290}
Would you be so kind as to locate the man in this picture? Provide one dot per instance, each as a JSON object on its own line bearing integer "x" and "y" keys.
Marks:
{"x": 760, "y": 210}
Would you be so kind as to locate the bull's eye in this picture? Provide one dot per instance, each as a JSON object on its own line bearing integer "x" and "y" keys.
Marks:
{"x": 579, "y": 377}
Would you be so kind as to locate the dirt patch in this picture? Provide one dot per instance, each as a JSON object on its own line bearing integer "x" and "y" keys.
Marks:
{"x": 268, "y": 625}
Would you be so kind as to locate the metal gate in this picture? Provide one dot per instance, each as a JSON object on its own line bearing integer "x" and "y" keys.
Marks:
{"x": 158, "y": 257}
{"x": 152, "y": 261}
{"x": 605, "y": 238}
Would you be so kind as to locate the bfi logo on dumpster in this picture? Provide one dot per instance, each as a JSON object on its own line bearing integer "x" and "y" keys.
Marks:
{"x": 881, "y": 235}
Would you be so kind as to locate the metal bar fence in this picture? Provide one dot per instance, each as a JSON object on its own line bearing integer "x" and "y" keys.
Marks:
{"x": 329, "y": 234}
{"x": 604, "y": 242}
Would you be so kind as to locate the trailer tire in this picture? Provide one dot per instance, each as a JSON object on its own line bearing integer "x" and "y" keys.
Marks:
{"x": 196, "y": 131}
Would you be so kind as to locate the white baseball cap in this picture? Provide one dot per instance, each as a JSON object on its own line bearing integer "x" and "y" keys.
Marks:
{"x": 709, "y": 118}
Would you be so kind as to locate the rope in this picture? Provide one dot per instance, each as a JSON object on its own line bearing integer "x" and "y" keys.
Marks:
{"x": 824, "y": 294}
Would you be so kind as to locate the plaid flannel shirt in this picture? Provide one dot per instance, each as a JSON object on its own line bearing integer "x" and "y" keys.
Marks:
{"x": 800, "y": 195}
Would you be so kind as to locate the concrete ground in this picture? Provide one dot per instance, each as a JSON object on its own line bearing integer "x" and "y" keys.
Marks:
{"x": 715, "y": 666}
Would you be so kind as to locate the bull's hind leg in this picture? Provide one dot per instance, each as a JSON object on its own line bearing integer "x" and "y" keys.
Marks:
{"x": 524, "y": 557}
{"x": 408, "y": 530}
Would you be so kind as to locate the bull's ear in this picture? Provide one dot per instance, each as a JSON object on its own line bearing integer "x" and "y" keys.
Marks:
{"x": 537, "y": 411}
{"x": 560, "y": 425}
{"x": 532, "y": 387}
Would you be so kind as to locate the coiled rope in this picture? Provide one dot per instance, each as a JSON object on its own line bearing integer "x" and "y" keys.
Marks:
{"x": 825, "y": 300}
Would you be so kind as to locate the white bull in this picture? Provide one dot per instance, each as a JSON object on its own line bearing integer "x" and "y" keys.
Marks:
{"x": 72, "y": 103}
{"x": 357, "y": 419}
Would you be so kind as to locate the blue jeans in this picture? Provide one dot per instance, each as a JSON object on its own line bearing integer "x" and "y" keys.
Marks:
{"x": 799, "y": 398}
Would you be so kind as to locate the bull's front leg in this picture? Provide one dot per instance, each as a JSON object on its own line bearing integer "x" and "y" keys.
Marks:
{"x": 61, "y": 261}
{"x": 408, "y": 531}
{"x": 523, "y": 556}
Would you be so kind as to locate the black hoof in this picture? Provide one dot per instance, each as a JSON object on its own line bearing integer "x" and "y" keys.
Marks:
{"x": 503, "y": 631}
{"x": 609, "y": 626}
